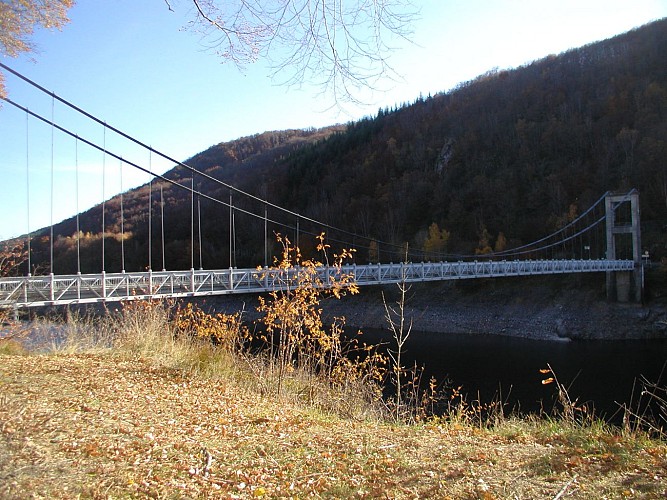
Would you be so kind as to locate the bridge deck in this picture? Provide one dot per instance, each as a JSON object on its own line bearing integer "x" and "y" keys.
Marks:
{"x": 34, "y": 291}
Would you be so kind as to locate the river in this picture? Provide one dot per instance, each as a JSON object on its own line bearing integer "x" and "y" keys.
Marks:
{"x": 492, "y": 367}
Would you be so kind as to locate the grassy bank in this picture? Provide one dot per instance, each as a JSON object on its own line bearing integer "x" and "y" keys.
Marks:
{"x": 126, "y": 406}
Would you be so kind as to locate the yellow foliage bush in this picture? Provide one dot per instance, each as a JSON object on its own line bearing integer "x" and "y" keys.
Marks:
{"x": 225, "y": 330}
{"x": 292, "y": 318}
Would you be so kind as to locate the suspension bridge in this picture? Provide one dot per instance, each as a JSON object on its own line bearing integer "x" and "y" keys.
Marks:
{"x": 605, "y": 238}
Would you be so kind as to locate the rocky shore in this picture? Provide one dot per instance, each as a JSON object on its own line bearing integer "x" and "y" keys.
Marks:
{"x": 540, "y": 308}
{"x": 553, "y": 308}
{"x": 535, "y": 313}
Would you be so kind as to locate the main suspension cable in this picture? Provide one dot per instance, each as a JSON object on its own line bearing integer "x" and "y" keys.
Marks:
{"x": 135, "y": 165}
{"x": 192, "y": 169}
{"x": 233, "y": 209}
{"x": 564, "y": 228}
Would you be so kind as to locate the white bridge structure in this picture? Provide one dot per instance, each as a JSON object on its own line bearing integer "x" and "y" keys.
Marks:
{"x": 576, "y": 247}
{"x": 35, "y": 291}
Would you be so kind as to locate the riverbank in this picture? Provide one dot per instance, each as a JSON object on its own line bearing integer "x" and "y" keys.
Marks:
{"x": 529, "y": 308}
{"x": 112, "y": 425}
{"x": 553, "y": 308}
{"x": 125, "y": 406}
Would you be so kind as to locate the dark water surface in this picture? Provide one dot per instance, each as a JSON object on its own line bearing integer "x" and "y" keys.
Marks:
{"x": 493, "y": 367}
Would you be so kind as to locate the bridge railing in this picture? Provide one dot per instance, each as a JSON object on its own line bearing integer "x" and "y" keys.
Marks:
{"x": 32, "y": 291}
{"x": 439, "y": 271}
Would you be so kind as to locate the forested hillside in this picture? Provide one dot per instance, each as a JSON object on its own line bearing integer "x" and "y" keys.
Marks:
{"x": 510, "y": 152}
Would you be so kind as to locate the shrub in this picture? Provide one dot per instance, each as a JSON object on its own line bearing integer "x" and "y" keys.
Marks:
{"x": 296, "y": 336}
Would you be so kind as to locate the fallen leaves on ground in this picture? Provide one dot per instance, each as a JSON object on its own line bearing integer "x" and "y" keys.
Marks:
{"x": 108, "y": 426}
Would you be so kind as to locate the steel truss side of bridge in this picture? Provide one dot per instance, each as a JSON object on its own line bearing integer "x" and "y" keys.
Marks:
{"x": 35, "y": 291}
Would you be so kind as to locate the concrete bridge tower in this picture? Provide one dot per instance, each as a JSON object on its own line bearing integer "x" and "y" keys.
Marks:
{"x": 623, "y": 232}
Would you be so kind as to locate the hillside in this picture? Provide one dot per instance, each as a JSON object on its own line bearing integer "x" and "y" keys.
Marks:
{"x": 510, "y": 152}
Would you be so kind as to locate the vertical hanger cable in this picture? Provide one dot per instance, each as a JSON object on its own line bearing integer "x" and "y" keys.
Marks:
{"x": 104, "y": 161}
{"x": 201, "y": 265}
{"x": 266, "y": 242}
{"x": 52, "y": 180}
{"x": 76, "y": 195}
{"x": 192, "y": 222}
{"x": 164, "y": 266}
{"x": 150, "y": 210}
{"x": 27, "y": 176}
{"x": 122, "y": 222}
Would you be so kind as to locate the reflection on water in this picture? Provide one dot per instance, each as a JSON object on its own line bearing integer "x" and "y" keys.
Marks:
{"x": 599, "y": 372}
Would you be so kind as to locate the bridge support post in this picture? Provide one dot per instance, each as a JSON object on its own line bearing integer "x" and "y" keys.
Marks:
{"x": 623, "y": 285}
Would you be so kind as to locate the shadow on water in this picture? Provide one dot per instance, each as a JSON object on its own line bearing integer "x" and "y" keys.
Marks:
{"x": 496, "y": 367}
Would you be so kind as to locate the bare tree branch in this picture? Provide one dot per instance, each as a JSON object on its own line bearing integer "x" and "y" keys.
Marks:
{"x": 340, "y": 46}
{"x": 19, "y": 19}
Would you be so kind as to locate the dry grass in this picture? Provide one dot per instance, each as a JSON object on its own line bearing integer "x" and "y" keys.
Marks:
{"x": 114, "y": 425}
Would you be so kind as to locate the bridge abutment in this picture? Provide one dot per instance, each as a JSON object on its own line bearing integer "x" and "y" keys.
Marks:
{"x": 624, "y": 241}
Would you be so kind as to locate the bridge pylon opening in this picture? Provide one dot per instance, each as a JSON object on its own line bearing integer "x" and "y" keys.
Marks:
{"x": 624, "y": 241}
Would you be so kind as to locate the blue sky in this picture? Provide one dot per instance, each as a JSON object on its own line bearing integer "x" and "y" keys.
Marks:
{"x": 133, "y": 65}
